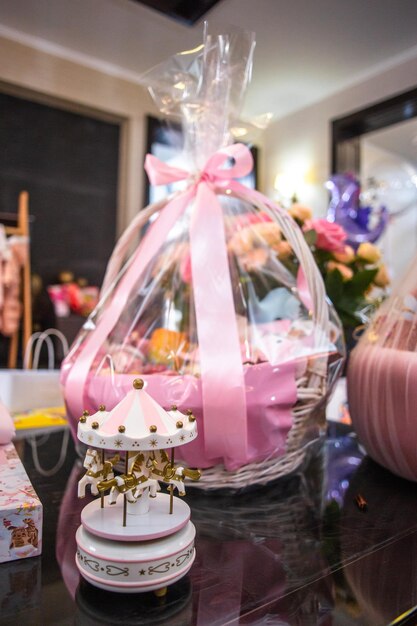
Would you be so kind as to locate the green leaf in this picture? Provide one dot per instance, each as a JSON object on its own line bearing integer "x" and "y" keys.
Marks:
{"x": 290, "y": 265}
{"x": 346, "y": 313}
{"x": 347, "y": 308}
{"x": 334, "y": 285}
{"x": 360, "y": 282}
{"x": 311, "y": 237}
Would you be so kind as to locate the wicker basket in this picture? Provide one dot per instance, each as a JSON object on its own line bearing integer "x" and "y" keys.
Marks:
{"x": 313, "y": 380}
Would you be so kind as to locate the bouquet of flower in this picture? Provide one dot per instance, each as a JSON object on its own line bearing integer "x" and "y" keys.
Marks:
{"x": 355, "y": 280}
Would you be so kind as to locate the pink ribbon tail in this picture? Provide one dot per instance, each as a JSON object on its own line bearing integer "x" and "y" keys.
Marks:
{"x": 223, "y": 385}
{"x": 76, "y": 383}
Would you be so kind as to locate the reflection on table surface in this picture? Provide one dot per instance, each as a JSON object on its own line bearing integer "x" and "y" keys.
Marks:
{"x": 305, "y": 550}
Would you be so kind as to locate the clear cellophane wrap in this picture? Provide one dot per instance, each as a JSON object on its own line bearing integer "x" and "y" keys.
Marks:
{"x": 382, "y": 381}
{"x": 206, "y": 310}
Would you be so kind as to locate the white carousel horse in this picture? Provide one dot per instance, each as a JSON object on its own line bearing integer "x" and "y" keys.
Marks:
{"x": 176, "y": 479}
{"x": 133, "y": 487}
{"x": 160, "y": 466}
{"x": 133, "y": 484}
{"x": 143, "y": 476}
{"x": 96, "y": 471}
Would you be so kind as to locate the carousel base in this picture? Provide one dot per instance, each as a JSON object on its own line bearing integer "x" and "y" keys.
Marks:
{"x": 107, "y": 522}
{"x": 111, "y": 560}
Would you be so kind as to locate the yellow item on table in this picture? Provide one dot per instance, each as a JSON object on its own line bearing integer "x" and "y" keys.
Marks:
{"x": 41, "y": 418}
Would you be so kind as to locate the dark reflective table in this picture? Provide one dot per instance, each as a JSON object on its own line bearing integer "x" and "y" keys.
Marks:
{"x": 303, "y": 551}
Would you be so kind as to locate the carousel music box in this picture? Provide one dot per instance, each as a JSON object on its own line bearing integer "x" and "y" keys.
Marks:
{"x": 143, "y": 540}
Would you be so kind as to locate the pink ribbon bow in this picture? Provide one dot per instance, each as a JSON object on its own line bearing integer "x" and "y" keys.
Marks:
{"x": 223, "y": 387}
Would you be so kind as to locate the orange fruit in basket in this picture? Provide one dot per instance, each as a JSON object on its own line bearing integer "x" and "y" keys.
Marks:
{"x": 168, "y": 347}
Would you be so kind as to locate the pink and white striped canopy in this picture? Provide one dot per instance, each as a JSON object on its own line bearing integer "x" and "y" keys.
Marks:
{"x": 137, "y": 422}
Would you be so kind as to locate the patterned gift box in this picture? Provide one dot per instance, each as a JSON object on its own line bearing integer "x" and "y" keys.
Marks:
{"x": 20, "y": 510}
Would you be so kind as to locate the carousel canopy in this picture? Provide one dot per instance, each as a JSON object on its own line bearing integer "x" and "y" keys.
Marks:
{"x": 138, "y": 422}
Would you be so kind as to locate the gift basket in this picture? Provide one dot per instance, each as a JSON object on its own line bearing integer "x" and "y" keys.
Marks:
{"x": 207, "y": 309}
{"x": 382, "y": 381}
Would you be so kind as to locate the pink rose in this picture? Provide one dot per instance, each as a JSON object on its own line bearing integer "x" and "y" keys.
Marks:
{"x": 247, "y": 219}
{"x": 330, "y": 236}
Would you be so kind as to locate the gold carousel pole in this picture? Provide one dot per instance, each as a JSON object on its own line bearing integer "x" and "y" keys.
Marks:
{"x": 124, "y": 495}
{"x": 171, "y": 492}
{"x": 102, "y": 493}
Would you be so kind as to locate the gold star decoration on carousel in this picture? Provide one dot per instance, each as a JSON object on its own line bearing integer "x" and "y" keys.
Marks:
{"x": 118, "y": 443}
{"x": 182, "y": 438}
{"x": 153, "y": 443}
{"x": 142, "y": 572}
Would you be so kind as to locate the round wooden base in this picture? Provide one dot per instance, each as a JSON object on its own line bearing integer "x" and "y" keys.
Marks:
{"x": 127, "y": 561}
{"x": 107, "y": 522}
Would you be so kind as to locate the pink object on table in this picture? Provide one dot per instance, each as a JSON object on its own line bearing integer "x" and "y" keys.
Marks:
{"x": 382, "y": 382}
{"x": 382, "y": 393}
{"x": 20, "y": 510}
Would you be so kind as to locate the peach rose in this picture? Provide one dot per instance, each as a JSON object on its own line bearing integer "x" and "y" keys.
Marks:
{"x": 267, "y": 232}
{"x": 347, "y": 256}
{"x": 347, "y": 272}
{"x": 283, "y": 249}
{"x": 255, "y": 259}
{"x": 300, "y": 212}
{"x": 382, "y": 278}
{"x": 368, "y": 252}
{"x": 241, "y": 242}
{"x": 330, "y": 236}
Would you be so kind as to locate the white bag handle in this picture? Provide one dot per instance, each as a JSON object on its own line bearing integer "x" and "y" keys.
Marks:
{"x": 34, "y": 443}
{"x": 40, "y": 338}
{"x": 29, "y": 348}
